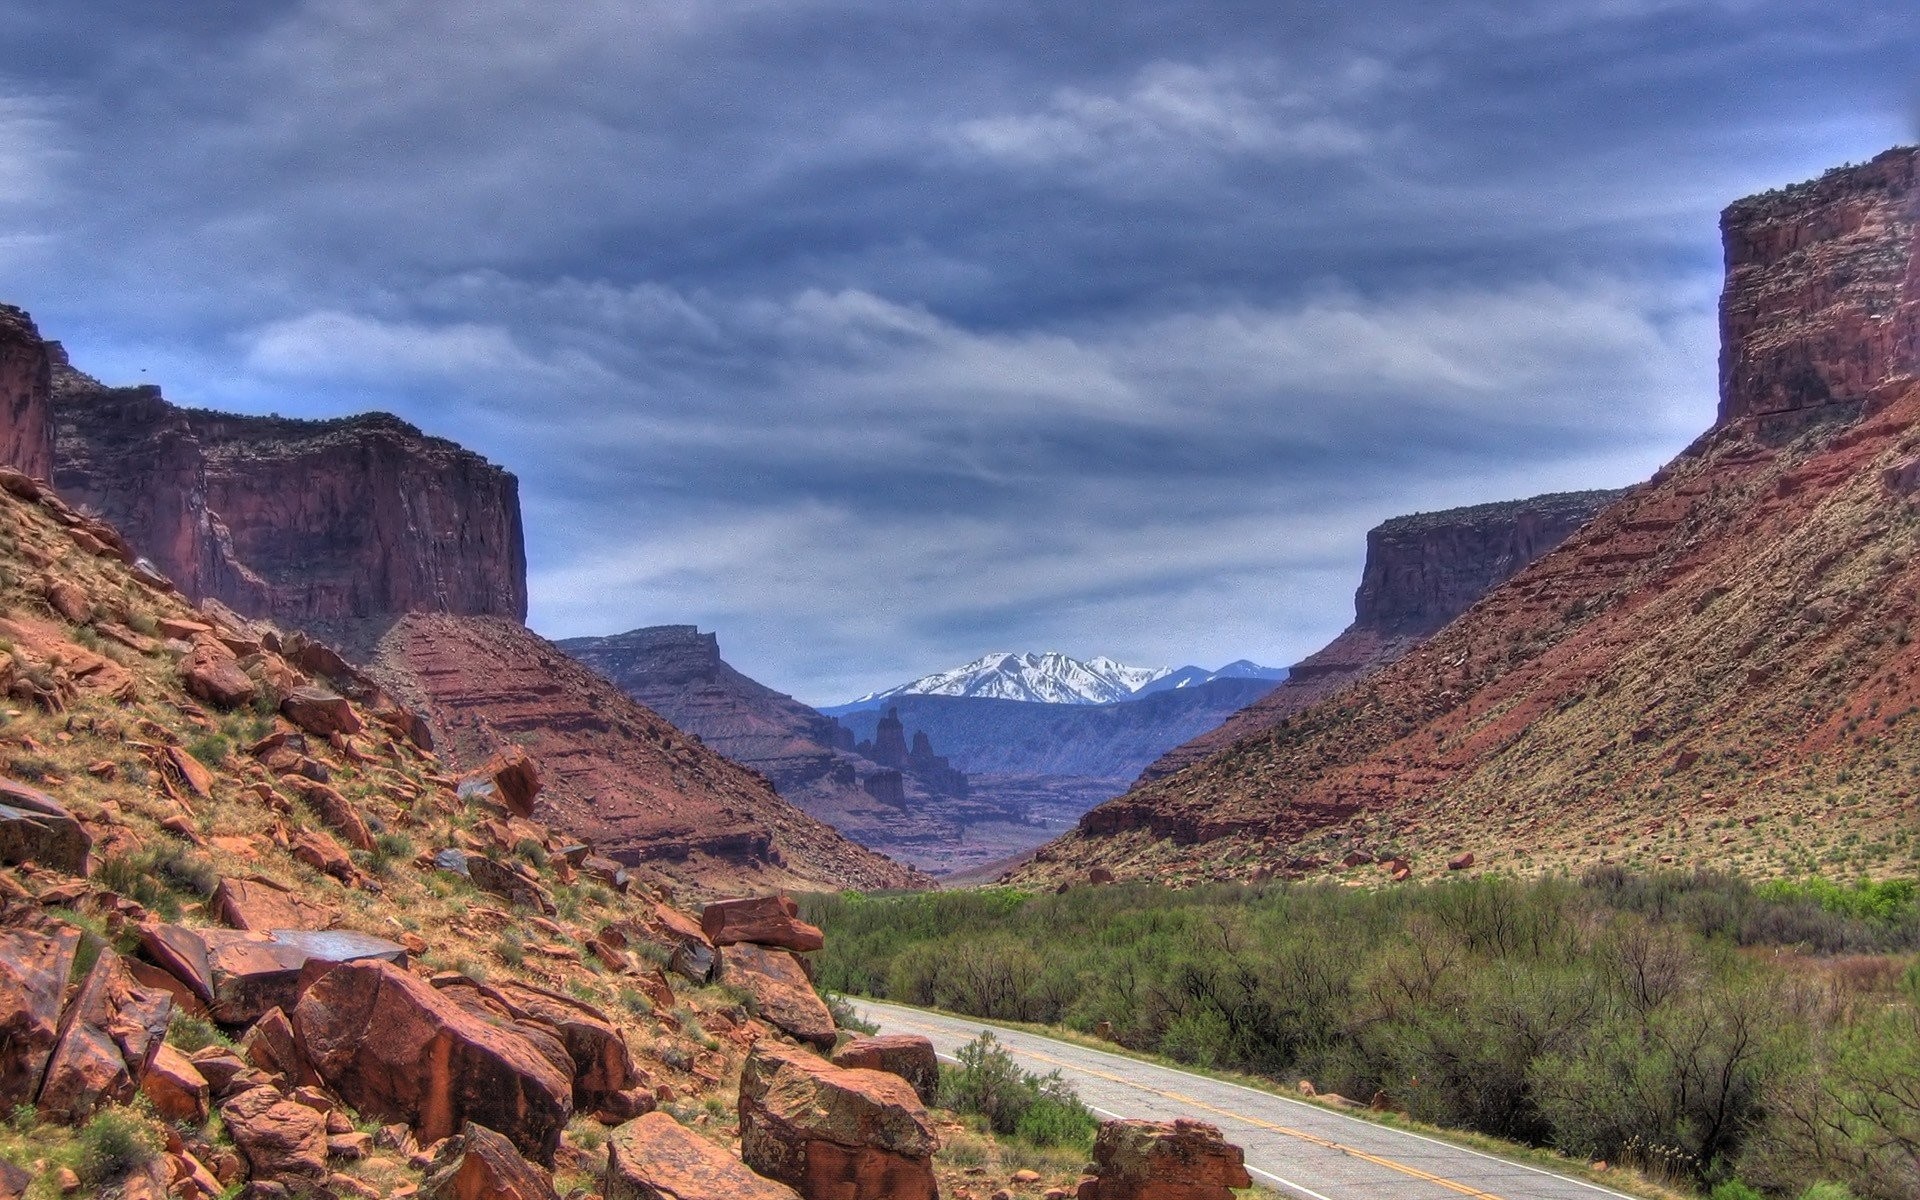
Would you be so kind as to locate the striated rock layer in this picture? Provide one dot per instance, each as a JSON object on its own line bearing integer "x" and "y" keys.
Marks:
{"x": 301, "y": 521}
{"x": 26, "y": 406}
{"x": 611, "y": 769}
{"x": 1716, "y": 671}
{"x": 1422, "y": 571}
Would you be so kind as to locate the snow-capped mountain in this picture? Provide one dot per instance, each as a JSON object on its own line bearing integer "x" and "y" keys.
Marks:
{"x": 1050, "y": 678}
{"x": 1194, "y": 676}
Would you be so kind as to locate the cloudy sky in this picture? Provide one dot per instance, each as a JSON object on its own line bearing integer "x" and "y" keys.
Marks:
{"x": 880, "y": 335}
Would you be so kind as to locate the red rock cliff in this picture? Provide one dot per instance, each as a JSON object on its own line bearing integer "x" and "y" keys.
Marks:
{"x": 1717, "y": 670}
{"x": 301, "y": 521}
{"x": 1422, "y": 571}
{"x": 26, "y": 438}
{"x": 1822, "y": 296}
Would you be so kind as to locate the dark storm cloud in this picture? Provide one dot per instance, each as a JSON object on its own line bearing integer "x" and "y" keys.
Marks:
{"x": 876, "y": 336}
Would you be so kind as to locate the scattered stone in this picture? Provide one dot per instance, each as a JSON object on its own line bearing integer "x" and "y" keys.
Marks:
{"x": 280, "y": 1139}
{"x": 502, "y": 880}
{"x": 240, "y": 974}
{"x": 215, "y": 677}
{"x": 395, "y": 1049}
{"x": 1099, "y": 876}
{"x": 762, "y": 920}
{"x": 256, "y": 903}
{"x": 1460, "y": 862}
{"x": 36, "y": 828}
{"x": 907, "y": 1055}
{"x": 319, "y": 850}
{"x": 834, "y": 1133}
{"x": 657, "y": 1158}
{"x": 779, "y": 985}
{"x": 335, "y": 811}
{"x": 321, "y": 712}
{"x": 175, "y": 1087}
{"x": 479, "y": 1164}
{"x": 70, "y": 600}
{"x": 1163, "y": 1160}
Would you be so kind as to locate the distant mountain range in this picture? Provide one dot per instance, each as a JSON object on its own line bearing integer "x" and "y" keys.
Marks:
{"x": 1187, "y": 677}
{"x": 1055, "y": 678}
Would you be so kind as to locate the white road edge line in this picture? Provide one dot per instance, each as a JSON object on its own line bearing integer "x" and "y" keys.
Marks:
{"x": 1121, "y": 1058}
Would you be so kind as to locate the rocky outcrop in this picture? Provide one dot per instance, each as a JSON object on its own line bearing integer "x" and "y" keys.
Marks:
{"x": 782, "y": 991}
{"x": 1421, "y": 572}
{"x": 1720, "y": 650}
{"x": 907, "y": 1055}
{"x": 768, "y": 920}
{"x": 301, "y": 521}
{"x": 479, "y": 1164}
{"x": 394, "y": 1048}
{"x": 26, "y": 388}
{"x": 657, "y": 1158}
{"x": 834, "y": 1134}
{"x": 611, "y": 770}
{"x": 1163, "y": 1160}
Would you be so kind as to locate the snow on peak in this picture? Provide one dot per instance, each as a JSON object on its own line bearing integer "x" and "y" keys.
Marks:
{"x": 1050, "y": 678}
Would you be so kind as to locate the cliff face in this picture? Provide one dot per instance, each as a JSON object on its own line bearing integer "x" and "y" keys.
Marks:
{"x": 301, "y": 521}
{"x": 1717, "y": 670}
{"x": 1822, "y": 297}
{"x": 1422, "y": 571}
{"x": 26, "y": 438}
{"x": 614, "y": 771}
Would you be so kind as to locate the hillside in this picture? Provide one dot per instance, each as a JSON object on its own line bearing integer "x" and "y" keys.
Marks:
{"x": 1421, "y": 571}
{"x": 1717, "y": 671}
{"x": 616, "y": 771}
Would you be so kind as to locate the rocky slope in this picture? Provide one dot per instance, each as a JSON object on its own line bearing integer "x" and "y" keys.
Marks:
{"x": 254, "y": 939}
{"x": 615, "y": 771}
{"x": 1421, "y": 572}
{"x": 1718, "y": 670}
{"x": 25, "y": 396}
{"x": 302, "y": 521}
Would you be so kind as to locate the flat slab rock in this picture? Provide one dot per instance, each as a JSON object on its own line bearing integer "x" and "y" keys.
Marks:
{"x": 762, "y": 920}
{"x": 240, "y": 974}
{"x": 779, "y": 984}
{"x": 657, "y": 1158}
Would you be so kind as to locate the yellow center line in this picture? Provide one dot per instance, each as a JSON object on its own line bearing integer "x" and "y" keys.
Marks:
{"x": 1301, "y": 1134}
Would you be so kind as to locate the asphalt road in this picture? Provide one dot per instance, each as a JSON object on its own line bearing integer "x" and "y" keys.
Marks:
{"x": 1299, "y": 1149}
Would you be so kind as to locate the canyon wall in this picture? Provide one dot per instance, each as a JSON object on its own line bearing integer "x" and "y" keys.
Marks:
{"x": 1717, "y": 672}
{"x": 26, "y": 441}
{"x": 1822, "y": 295}
{"x": 301, "y": 521}
{"x": 1421, "y": 572}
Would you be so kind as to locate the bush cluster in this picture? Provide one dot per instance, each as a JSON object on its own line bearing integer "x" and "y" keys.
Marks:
{"x": 1683, "y": 1019}
{"x": 1041, "y": 1110}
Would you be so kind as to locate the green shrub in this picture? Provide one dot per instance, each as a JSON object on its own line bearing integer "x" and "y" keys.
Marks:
{"x": 113, "y": 1145}
{"x": 1733, "y": 1189}
{"x": 1040, "y": 1109}
{"x": 187, "y": 1033}
{"x": 844, "y": 1016}
{"x": 212, "y": 749}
